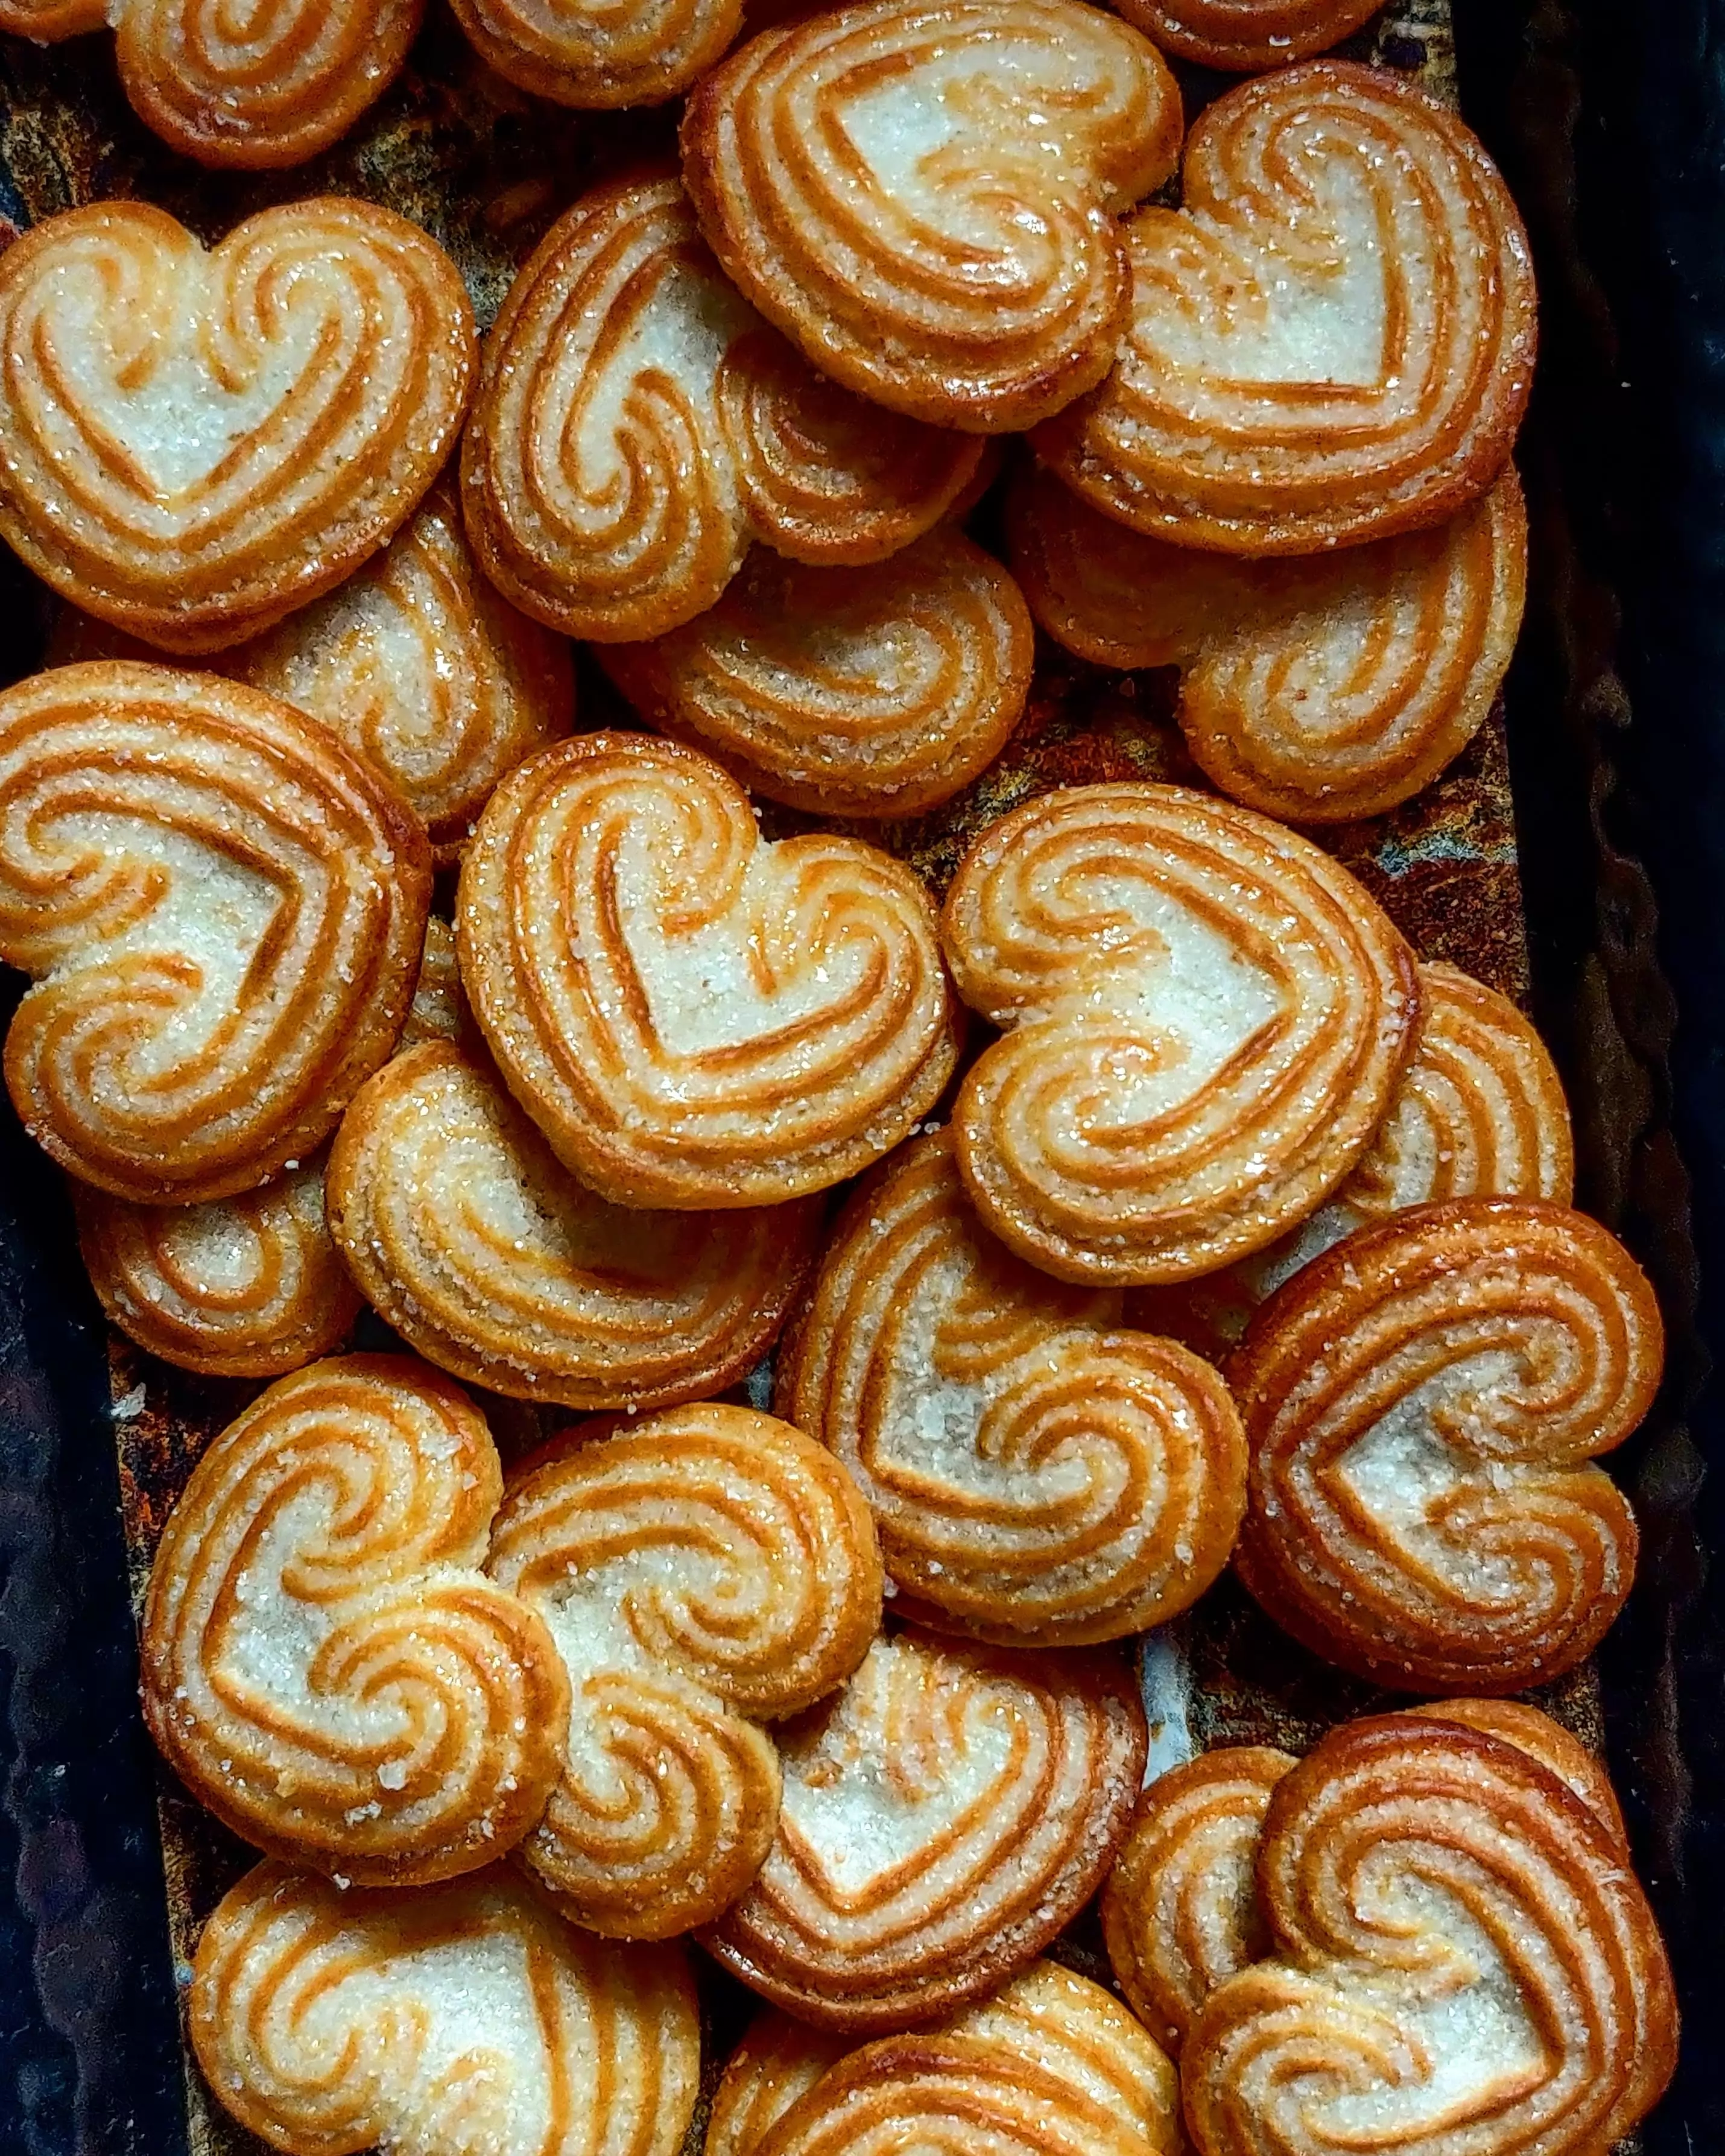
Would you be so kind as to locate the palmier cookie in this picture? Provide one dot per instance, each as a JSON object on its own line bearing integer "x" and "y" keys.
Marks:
{"x": 1318, "y": 690}
{"x": 222, "y": 909}
{"x": 324, "y": 1663}
{"x": 1207, "y": 1017}
{"x": 247, "y": 87}
{"x": 878, "y": 691}
{"x": 1052, "y": 2063}
{"x": 1039, "y": 1476}
{"x": 944, "y": 238}
{"x": 942, "y": 1820}
{"x": 1245, "y": 37}
{"x": 594, "y": 54}
{"x": 246, "y": 1286}
{"x": 638, "y": 426}
{"x": 702, "y": 1572}
{"x": 192, "y": 444}
{"x": 1464, "y": 1960}
{"x": 1478, "y": 1112}
{"x": 1330, "y": 341}
{"x": 475, "y": 1243}
{"x": 1422, "y": 1404}
{"x": 695, "y": 1018}
{"x": 462, "y": 2019}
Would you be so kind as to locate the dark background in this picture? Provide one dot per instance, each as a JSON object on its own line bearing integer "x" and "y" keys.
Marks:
{"x": 1608, "y": 120}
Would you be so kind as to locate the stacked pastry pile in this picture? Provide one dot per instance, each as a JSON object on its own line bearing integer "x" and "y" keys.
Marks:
{"x": 1198, "y": 1222}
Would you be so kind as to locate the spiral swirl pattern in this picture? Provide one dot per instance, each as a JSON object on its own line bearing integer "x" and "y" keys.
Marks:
{"x": 192, "y": 444}
{"x": 599, "y": 53}
{"x": 1464, "y": 1962}
{"x": 638, "y": 426}
{"x": 778, "y": 2062}
{"x": 870, "y": 692}
{"x": 695, "y": 1018}
{"x": 474, "y": 1241}
{"x": 1207, "y": 1018}
{"x": 1513, "y": 1721}
{"x": 1422, "y": 1404}
{"x": 1320, "y": 689}
{"x": 1246, "y": 36}
{"x": 942, "y": 1821}
{"x": 462, "y": 2019}
{"x": 241, "y": 1287}
{"x": 324, "y": 1664}
{"x": 923, "y": 194}
{"x": 701, "y": 1573}
{"x": 222, "y": 910}
{"x": 1038, "y": 1476}
{"x": 1330, "y": 341}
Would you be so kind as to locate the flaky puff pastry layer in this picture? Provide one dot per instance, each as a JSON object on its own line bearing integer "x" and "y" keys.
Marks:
{"x": 1463, "y": 1959}
{"x": 194, "y": 442}
{"x": 1245, "y": 37}
{"x": 249, "y": 86}
{"x": 1424, "y": 1404}
{"x": 696, "y": 1018}
{"x": 1040, "y": 1475}
{"x": 1319, "y": 689}
{"x": 639, "y": 426}
{"x": 222, "y": 909}
{"x": 1205, "y": 1016}
{"x": 703, "y": 1572}
{"x": 599, "y": 53}
{"x": 1332, "y": 340}
{"x": 924, "y": 195}
{"x": 942, "y": 1820}
{"x": 439, "y": 2021}
{"x": 324, "y": 1662}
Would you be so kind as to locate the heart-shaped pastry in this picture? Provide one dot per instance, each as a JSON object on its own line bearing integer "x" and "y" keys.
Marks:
{"x": 222, "y": 909}
{"x": 876, "y": 691}
{"x": 1332, "y": 340}
{"x": 475, "y": 1243}
{"x": 924, "y": 195}
{"x": 1478, "y": 1112}
{"x": 463, "y": 2020}
{"x": 597, "y": 54}
{"x": 638, "y": 426}
{"x": 192, "y": 444}
{"x": 1039, "y": 1476}
{"x": 1245, "y": 37}
{"x": 324, "y": 1663}
{"x": 246, "y": 1286}
{"x": 1423, "y": 1404}
{"x": 702, "y": 1572}
{"x": 1319, "y": 690}
{"x": 249, "y": 86}
{"x": 1463, "y": 1961}
{"x": 1207, "y": 1019}
{"x": 695, "y": 1018}
{"x": 942, "y": 1820}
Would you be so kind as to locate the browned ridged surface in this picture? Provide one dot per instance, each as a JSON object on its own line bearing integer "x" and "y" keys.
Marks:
{"x": 638, "y": 426}
{"x": 1039, "y": 1476}
{"x": 1317, "y": 689}
{"x": 942, "y": 1820}
{"x": 1246, "y": 36}
{"x": 1208, "y": 1016}
{"x": 46, "y": 20}
{"x": 1330, "y": 341}
{"x": 1464, "y": 1962}
{"x": 439, "y": 1010}
{"x": 1514, "y": 1722}
{"x": 872, "y": 691}
{"x": 1422, "y": 1404}
{"x": 601, "y": 52}
{"x": 223, "y": 910}
{"x": 1180, "y": 1910}
{"x": 246, "y": 1286}
{"x": 923, "y": 194}
{"x": 477, "y": 1244}
{"x": 463, "y": 2019}
{"x": 194, "y": 443}
{"x": 1478, "y": 1112}
{"x": 324, "y": 1663}
{"x": 779, "y": 2060}
{"x": 701, "y": 1573}
{"x": 695, "y": 1018}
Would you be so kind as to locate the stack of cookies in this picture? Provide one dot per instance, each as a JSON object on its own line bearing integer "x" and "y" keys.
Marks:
{"x": 913, "y": 1296}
